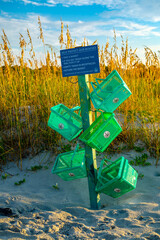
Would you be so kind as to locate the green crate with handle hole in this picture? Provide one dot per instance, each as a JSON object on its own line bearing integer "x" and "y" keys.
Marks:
{"x": 70, "y": 165}
{"x": 116, "y": 178}
{"x": 110, "y": 93}
{"x": 101, "y": 132}
{"x": 65, "y": 121}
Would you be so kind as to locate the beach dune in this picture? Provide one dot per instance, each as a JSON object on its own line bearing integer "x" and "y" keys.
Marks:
{"x": 43, "y": 206}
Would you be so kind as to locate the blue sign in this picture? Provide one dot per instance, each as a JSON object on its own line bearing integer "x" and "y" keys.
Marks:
{"x": 80, "y": 61}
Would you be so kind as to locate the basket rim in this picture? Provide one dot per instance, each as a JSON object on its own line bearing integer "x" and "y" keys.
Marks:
{"x": 63, "y": 154}
{"x": 68, "y": 109}
{"x": 111, "y": 75}
{"x": 102, "y": 102}
{"x": 54, "y": 171}
{"x": 122, "y": 84}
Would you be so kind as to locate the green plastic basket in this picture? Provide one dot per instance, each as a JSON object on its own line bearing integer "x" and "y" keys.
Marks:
{"x": 110, "y": 93}
{"x": 101, "y": 132}
{"x": 70, "y": 165}
{"x": 65, "y": 121}
{"x": 117, "y": 178}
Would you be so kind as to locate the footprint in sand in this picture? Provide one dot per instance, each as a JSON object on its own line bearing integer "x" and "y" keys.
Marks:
{"x": 124, "y": 213}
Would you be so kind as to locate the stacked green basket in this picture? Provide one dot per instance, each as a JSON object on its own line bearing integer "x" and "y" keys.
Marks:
{"x": 106, "y": 96}
{"x": 101, "y": 132}
{"x": 115, "y": 179}
{"x": 118, "y": 178}
{"x": 70, "y": 165}
{"x": 65, "y": 121}
{"x": 110, "y": 93}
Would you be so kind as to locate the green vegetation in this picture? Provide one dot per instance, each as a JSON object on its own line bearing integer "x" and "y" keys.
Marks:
{"x": 36, "y": 167}
{"x": 66, "y": 148}
{"x": 4, "y": 176}
{"x": 56, "y": 186}
{"x": 140, "y": 160}
{"x": 20, "y": 182}
{"x": 140, "y": 176}
{"x": 138, "y": 149}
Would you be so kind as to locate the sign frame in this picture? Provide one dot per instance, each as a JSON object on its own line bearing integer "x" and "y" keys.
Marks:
{"x": 80, "y": 61}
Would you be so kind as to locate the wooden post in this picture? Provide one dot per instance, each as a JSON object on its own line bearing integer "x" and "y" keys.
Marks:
{"x": 90, "y": 153}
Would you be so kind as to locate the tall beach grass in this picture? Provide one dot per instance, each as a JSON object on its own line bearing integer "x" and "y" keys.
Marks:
{"x": 30, "y": 88}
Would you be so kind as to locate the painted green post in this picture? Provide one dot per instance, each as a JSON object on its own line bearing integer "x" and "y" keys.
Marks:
{"x": 91, "y": 163}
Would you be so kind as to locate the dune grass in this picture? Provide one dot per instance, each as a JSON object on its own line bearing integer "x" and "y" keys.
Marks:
{"x": 30, "y": 88}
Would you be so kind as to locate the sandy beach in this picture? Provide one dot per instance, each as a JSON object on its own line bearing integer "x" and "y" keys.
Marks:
{"x": 35, "y": 209}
